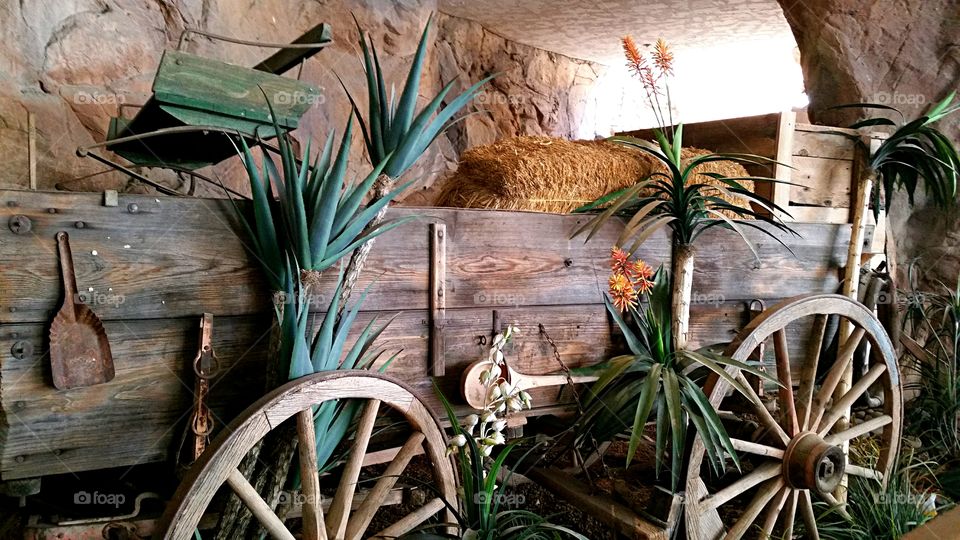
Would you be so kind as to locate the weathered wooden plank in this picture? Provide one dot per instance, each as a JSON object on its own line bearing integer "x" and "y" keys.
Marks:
{"x": 826, "y": 182}
{"x": 172, "y": 257}
{"x": 822, "y": 144}
{"x": 137, "y": 417}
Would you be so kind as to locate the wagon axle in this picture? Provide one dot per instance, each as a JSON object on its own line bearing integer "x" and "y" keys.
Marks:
{"x": 810, "y": 463}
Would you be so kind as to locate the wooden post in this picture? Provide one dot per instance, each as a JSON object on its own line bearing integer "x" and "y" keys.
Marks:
{"x": 851, "y": 281}
{"x": 438, "y": 301}
{"x": 683, "y": 255}
{"x": 781, "y": 169}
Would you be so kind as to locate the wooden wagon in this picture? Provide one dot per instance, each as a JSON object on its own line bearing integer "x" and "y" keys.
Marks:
{"x": 165, "y": 261}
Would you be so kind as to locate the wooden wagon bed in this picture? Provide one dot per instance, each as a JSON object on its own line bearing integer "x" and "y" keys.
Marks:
{"x": 153, "y": 266}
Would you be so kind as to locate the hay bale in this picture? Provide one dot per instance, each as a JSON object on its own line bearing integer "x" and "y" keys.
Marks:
{"x": 556, "y": 175}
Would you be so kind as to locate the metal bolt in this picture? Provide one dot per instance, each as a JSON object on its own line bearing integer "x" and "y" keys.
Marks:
{"x": 20, "y": 224}
{"x": 21, "y": 350}
{"x": 568, "y": 262}
{"x": 21, "y": 405}
{"x": 51, "y": 210}
{"x": 15, "y": 335}
{"x": 21, "y": 459}
{"x": 79, "y": 224}
{"x": 12, "y": 204}
{"x": 13, "y": 309}
{"x": 440, "y": 233}
{"x": 133, "y": 208}
{"x": 57, "y": 451}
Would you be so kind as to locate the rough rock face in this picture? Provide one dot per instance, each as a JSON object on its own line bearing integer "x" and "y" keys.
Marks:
{"x": 904, "y": 53}
{"x": 76, "y": 63}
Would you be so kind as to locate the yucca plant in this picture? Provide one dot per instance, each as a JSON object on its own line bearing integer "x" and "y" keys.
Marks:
{"x": 654, "y": 378}
{"x": 915, "y": 151}
{"x": 483, "y": 512}
{"x": 674, "y": 199}
{"x": 395, "y": 132}
{"x": 319, "y": 217}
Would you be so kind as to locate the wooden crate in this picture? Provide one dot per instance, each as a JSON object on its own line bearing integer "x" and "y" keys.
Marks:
{"x": 171, "y": 259}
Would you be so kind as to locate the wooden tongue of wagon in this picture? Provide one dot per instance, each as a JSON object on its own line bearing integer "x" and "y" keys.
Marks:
{"x": 153, "y": 265}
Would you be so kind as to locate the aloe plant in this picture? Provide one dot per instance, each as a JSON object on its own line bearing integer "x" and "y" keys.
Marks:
{"x": 655, "y": 378}
{"x": 670, "y": 199}
{"x": 319, "y": 217}
{"x": 915, "y": 151}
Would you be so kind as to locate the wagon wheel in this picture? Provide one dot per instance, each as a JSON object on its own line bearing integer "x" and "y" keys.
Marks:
{"x": 797, "y": 454}
{"x": 218, "y": 465}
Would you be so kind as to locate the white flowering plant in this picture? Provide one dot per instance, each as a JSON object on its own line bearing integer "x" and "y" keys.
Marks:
{"x": 481, "y": 514}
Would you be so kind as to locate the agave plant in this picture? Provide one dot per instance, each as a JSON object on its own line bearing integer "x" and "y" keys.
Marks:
{"x": 394, "y": 132}
{"x": 674, "y": 199}
{"x": 915, "y": 151}
{"x": 655, "y": 378}
{"x": 319, "y": 217}
{"x": 328, "y": 352}
{"x": 393, "y": 129}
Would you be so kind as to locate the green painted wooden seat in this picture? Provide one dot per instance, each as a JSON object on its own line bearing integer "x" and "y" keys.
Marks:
{"x": 191, "y": 91}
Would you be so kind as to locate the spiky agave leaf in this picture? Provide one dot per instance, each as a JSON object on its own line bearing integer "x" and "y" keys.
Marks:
{"x": 395, "y": 131}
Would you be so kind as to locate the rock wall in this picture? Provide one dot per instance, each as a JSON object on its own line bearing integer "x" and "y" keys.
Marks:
{"x": 76, "y": 63}
{"x": 904, "y": 53}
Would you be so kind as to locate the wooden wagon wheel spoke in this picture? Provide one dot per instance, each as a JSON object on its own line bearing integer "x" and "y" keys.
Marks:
{"x": 261, "y": 510}
{"x": 864, "y": 472}
{"x": 840, "y": 507}
{"x": 375, "y": 392}
{"x": 844, "y": 357}
{"x": 788, "y": 406}
{"x": 766, "y": 418}
{"x": 313, "y": 525}
{"x": 773, "y": 512}
{"x": 760, "y": 500}
{"x": 762, "y": 473}
{"x": 846, "y": 401}
{"x": 805, "y": 452}
{"x": 756, "y": 449}
{"x": 862, "y": 428}
{"x": 808, "y": 373}
{"x": 412, "y": 519}
{"x": 809, "y": 518}
{"x": 375, "y": 497}
{"x": 340, "y": 509}
{"x": 791, "y": 514}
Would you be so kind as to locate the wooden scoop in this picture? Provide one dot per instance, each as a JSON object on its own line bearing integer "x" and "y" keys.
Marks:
{"x": 79, "y": 350}
{"x": 475, "y": 393}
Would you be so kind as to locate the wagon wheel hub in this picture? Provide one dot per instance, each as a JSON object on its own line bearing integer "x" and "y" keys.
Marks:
{"x": 811, "y": 463}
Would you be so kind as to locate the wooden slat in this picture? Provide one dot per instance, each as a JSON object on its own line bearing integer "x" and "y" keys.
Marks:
{"x": 826, "y": 182}
{"x": 822, "y": 144}
{"x": 184, "y": 257}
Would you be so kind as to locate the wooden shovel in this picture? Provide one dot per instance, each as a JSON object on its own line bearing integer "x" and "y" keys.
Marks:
{"x": 79, "y": 350}
{"x": 474, "y": 392}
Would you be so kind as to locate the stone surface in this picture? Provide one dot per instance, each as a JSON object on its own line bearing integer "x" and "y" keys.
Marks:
{"x": 904, "y": 53}
{"x": 75, "y": 64}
